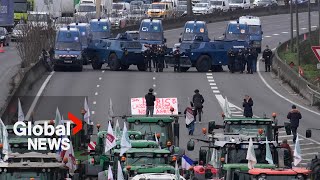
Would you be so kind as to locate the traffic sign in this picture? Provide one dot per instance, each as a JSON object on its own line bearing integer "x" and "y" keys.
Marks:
{"x": 316, "y": 51}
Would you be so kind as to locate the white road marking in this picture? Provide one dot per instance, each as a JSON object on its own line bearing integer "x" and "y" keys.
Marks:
{"x": 103, "y": 71}
{"x": 98, "y": 85}
{"x": 214, "y": 87}
{"x": 294, "y": 30}
{"x": 284, "y": 32}
{"x": 211, "y": 80}
{"x": 94, "y": 102}
{"x": 303, "y": 28}
{"x": 314, "y": 26}
{"x": 100, "y": 78}
{"x": 154, "y": 78}
{"x": 276, "y": 34}
{"x": 213, "y": 84}
{"x": 154, "y": 85}
{"x": 34, "y": 102}
{"x": 209, "y": 77}
{"x": 216, "y": 91}
{"x": 155, "y": 93}
{"x": 92, "y": 112}
{"x": 96, "y": 93}
{"x": 209, "y": 74}
{"x": 267, "y": 36}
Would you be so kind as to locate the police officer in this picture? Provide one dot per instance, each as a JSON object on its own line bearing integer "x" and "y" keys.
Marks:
{"x": 267, "y": 53}
{"x": 250, "y": 59}
{"x": 241, "y": 60}
{"x": 232, "y": 59}
{"x": 255, "y": 59}
{"x": 176, "y": 55}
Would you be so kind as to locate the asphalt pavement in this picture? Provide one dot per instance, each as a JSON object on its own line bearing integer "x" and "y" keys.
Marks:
{"x": 68, "y": 89}
{"x": 9, "y": 66}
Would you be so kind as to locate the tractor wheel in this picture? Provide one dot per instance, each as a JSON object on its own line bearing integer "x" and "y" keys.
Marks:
{"x": 124, "y": 67}
{"x": 203, "y": 63}
{"x": 114, "y": 62}
{"x": 142, "y": 67}
{"x": 184, "y": 69}
{"x": 95, "y": 63}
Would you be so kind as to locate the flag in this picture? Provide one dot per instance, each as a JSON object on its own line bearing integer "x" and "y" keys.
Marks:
{"x": 86, "y": 116}
{"x": 4, "y": 140}
{"x": 110, "y": 139}
{"x": 71, "y": 164}
{"x": 125, "y": 142}
{"x": 110, "y": 174}
{"x": 251, "y": 156}
{"x": 110, "y": 111}
{"x": 268, "y": 153}
{"x": 297, "y": 152}
{"x": 119, "y": 173}
{"x": 186, "y": 162}
{"x": 177, "y": 173}
{"x": 301, "y": 72}
{"x": 155, "y": 135}
{"x": 227, "y": 111}
{"x": 118, "y": 130}
{"x": 57, "y": 118}
{"x": 20, "y": 112}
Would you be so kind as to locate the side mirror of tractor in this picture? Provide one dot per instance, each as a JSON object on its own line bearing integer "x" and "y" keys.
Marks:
{"x": 287, "y": 127}
{"x": 190, "y": 145}
{"x": 211, "y": 126}
{"x": 308, "y": 133}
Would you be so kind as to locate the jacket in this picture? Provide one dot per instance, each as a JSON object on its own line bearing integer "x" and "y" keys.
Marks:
{"x": 247, "y": 112}
{"x": 267, "y": 53}
{"x": 150, "y": 99}
{"x": 198, "y": 100}
{"x": 294, "y": 116}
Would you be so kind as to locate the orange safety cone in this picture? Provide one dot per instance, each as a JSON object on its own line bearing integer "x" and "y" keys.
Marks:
{"x": 1, "y": 48}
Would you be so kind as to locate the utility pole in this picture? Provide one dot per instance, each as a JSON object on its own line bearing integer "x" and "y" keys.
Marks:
{"x": 309, "y": 20}
{"x": 291, "y": 30}
{"x": 297, "y": 30}
{"x": 98, "y": 9}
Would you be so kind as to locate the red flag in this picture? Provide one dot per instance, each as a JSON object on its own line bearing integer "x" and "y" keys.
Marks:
{"x": 301, "y": 72}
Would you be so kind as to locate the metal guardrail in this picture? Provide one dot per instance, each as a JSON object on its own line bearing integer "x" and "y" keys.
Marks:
{"x": 315, "y": 95}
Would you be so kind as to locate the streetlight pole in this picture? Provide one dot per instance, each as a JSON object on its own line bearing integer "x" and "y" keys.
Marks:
{"x": 291, "y": 30}
{"x": 297, "y": 30}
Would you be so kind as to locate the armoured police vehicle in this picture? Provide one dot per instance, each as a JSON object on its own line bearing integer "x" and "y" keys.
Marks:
{"x": 100, "y": 28}
{"x": 85, "y": 38}
{"x": 68, "y": 49}
{"x": 151, "y": 32}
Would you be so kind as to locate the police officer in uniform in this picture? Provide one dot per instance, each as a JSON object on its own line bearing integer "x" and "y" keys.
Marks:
{"x": 267, "y": 53}
{"x": 176, "y": 55}
{"x": 250, "y": 59}
{"x": 232, "y": 59}
{"x": 241, "y": 60}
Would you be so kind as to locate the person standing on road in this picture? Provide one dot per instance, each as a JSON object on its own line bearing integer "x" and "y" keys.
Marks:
{"x": 242, "y": 61}
{"x": 150, "y": 99}
{"x": 198, "y": 101}
{"x": 250, "y": 59}
{"x": 189, "y": 115}
{"x": 247, "y": 105}
{"x": 267, "y": 54}
{"x": 176, "y": 55}
{"x": 294, "y": 116}
{"x": 255, "y": 60}
{"x": 232, "y": 60}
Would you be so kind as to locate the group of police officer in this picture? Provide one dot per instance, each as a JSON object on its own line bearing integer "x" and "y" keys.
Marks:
{"x": 248, "y": 57}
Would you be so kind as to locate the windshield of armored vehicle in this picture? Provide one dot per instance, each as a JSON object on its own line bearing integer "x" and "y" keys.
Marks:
{"x": 71, "y": 46}
{"x": 191, "y": 30}
{"x": 145, "y": 159}
{"x": 254, "y": 29}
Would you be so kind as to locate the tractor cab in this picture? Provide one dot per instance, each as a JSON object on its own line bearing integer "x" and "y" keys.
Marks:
{"x": 193, "y": 29}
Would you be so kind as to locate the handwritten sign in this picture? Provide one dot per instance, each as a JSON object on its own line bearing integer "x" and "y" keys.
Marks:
{"x": 161, "y": 106}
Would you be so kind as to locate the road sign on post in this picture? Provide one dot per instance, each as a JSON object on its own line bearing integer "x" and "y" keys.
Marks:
{"x": 316, "y": 51}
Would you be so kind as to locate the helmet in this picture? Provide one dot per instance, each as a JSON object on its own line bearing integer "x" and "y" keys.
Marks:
{"x": 196, "y": 91}
{"x": 150, "y": 90}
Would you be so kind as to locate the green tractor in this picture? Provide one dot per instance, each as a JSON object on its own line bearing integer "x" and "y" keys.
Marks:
{"x": 142, "y": 160}
{"x": 226, "y": 154}
{"x": 33, "y": 165}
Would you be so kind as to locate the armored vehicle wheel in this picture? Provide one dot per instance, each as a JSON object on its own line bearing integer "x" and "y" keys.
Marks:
{"x": 56, "y": 68}
{"x": 124, "y": 67}
{"x": 184, "y": 69}
{"x": 80, "y": 68}
{"x": 216, "y": 68}
{"x": 114, "y": 62}
{"x": 142, "y": 67}
{"x": 95, "y": 63}
{"x": 203, "y": 63}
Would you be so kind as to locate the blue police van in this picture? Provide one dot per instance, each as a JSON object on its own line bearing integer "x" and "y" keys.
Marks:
{"x": 100, "y": 29}
{"x": 68, "y": 49}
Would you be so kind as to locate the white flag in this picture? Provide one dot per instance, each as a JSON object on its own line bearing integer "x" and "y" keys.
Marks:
{"x": 110, "y": 111}
{"x": 110, "y": 174}
{"x": 251, "y": 156}
{"x": 71, "y": 160}
{"x": 110, "y": 141}
{"x": 120, "y": 173}
{"x": 177, "y": 173}
{"x": 268, "y": 153}
{"x": 57, "y": 118}
{"x": 20, "y": 112}
{"x": 118, "y": 130}
{"x": 125, "y": 142}
{"x": 155, "y": 135}
{"x": 4, "y": 140}
{"x": 297, "y": 152}
{"x": 226, "y": 109}
{"x": 86, "y": 116}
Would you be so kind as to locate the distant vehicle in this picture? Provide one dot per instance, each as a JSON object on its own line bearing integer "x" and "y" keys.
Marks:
{"x": 4, "y": 36}
{"x": 100, "y": 29}
{"x": 202, "y": 8}
{"x": 134, "y": 34}
{"x": 121, "y": 8}
{"x": 220, "y": 5}
{"x": 56, "y": 8}
{"x": 63, "y": 22}
{"x": 300, "y": 2}
{"x": 254, "y": 30}
{"x": 87, "y": 10}
{"x": 42, "y": 19}
{"x": 182, "y": 10}
{"x": 239, "y": 4}
{"x": 136, "y": 10}
{"x": 6, "y": 14}
{"x": 117, "y": 20}
{"x": 264, "y": 3}
{"x": 21, "y": 8}
{"x": 18, "y": 31}
{"x": 160, "y": 10}
{"x": 68, "y": 49}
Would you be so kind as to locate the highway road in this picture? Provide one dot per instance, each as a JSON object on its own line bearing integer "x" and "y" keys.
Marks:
{"x": 100, "y": 86}
{"x": 9, "y": 66}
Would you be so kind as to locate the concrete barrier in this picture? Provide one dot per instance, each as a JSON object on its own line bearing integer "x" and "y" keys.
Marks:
{"x": 219, "y": 16}
{"x": 289, "y": 75}
{"x": 22, "y": 82}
